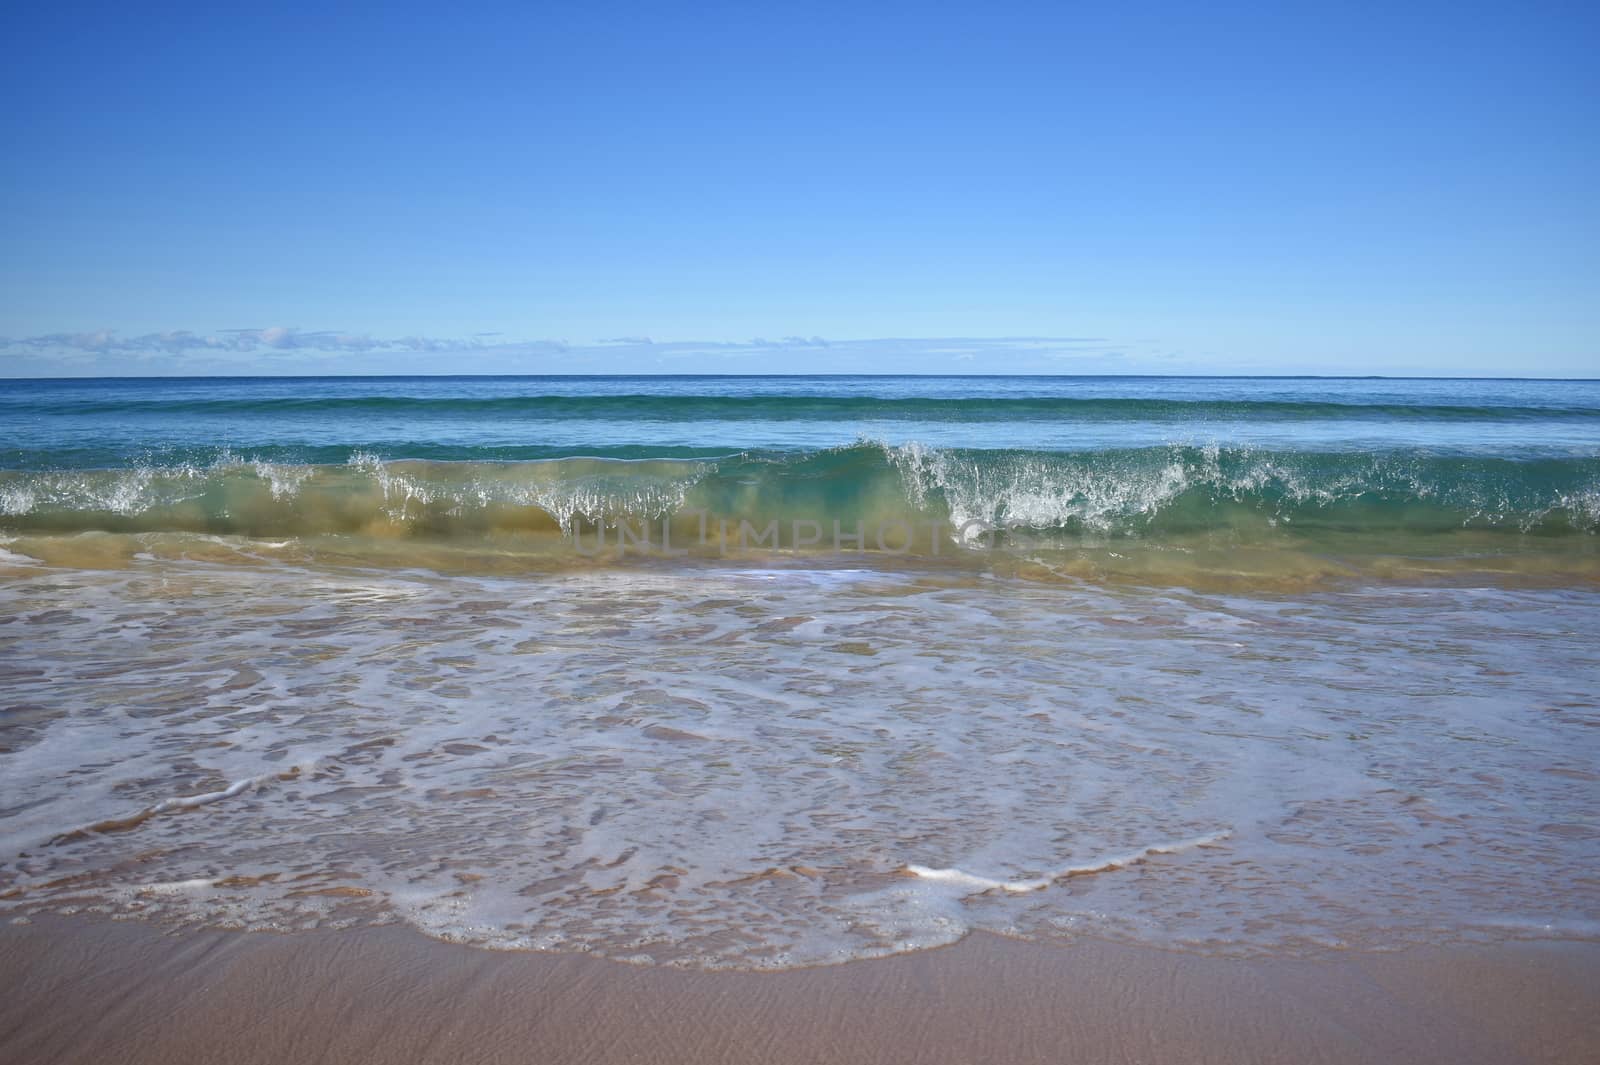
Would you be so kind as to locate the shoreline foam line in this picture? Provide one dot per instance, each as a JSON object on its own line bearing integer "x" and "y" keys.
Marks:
{"x": 980, "y": 884}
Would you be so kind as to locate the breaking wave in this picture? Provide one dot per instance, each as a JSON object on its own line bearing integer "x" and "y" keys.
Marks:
{"x": 1144, "y": 492}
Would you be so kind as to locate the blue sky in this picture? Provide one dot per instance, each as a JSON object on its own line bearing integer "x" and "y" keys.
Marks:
{"x": 1363, "y": 188}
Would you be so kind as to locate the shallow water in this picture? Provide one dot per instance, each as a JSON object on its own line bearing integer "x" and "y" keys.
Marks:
{"x": 721, "y": 766}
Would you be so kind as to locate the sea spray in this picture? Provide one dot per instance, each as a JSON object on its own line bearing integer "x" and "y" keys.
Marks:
{"x": 1123, "y": 492}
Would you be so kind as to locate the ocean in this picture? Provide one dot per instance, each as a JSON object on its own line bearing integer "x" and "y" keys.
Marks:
{"x": 763, "y": 672}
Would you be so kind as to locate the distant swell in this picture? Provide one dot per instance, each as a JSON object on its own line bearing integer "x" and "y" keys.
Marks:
{"x": 812, "y": 408}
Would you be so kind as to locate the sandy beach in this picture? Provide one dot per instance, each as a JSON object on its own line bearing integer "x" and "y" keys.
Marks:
{"x": 88, "y": 990}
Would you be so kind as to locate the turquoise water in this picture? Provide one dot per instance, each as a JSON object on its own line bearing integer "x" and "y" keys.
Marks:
{"x": 1288, "y": 478}
{"x": 75, "y": 424}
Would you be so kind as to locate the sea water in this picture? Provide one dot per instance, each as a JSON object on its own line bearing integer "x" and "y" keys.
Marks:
{"x": 1233, "y": 665}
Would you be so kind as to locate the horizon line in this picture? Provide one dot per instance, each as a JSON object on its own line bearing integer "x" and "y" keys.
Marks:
{"x": 793, "y": 376}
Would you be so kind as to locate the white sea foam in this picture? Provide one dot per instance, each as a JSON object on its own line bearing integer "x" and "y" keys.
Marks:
{"x": 189, "y": 802}
{"x": 177, "y": 887}
{"x": 1046, "y": 492}
{"x": 283, "y": 480}
{"x": 739, "y": 766}
{"x": 975, "y": 883}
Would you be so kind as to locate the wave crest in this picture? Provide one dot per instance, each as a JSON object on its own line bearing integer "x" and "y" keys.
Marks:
{"x": 1137, "y": 492}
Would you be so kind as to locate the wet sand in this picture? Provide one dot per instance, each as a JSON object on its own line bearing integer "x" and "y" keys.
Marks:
{"x": 89, "y": 990}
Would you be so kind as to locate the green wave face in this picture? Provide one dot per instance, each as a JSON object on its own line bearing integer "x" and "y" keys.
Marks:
{"x": 1017, "y": 501}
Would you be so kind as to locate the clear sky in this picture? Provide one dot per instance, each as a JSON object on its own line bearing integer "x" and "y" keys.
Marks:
{"x": 1181, "y": 187}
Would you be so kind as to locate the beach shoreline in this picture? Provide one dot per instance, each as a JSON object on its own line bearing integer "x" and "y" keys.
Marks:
{"x": 81, "y": 989}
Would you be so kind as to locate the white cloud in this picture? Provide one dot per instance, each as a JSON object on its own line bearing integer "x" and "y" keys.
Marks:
{"x": 281, "y": 349}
